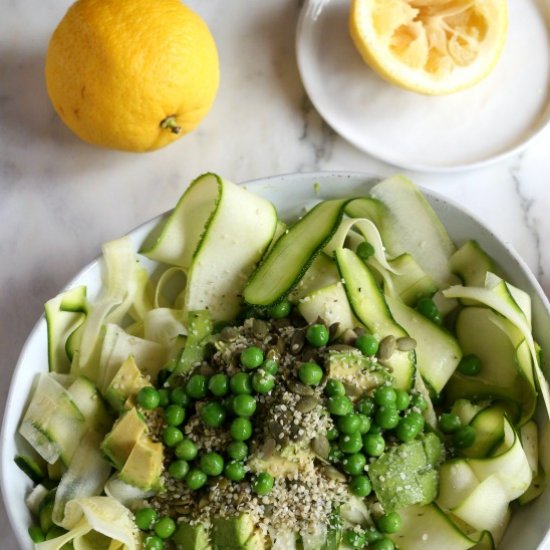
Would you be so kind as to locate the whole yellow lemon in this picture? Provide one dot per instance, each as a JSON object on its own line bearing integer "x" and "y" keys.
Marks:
{"x": 133, "y": 75}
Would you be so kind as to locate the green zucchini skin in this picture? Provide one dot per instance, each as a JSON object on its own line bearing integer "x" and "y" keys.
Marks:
{"x": 370, "y": 307}
{"x": 292, "y": 254}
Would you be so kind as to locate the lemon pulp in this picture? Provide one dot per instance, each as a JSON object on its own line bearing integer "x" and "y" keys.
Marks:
{"x": 430, "y": 46}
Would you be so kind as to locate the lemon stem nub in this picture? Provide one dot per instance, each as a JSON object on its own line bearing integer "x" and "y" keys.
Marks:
{"x": 170, "y": 122}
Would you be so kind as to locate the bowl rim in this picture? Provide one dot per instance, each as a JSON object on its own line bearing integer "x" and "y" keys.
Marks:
{"x": 302, "y": 178}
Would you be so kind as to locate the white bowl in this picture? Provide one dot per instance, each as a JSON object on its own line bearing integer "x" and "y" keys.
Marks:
{"x": 289, "y": 193}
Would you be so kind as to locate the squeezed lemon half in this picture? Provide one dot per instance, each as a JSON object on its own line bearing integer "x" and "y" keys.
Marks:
{"x": 433, "y": 47}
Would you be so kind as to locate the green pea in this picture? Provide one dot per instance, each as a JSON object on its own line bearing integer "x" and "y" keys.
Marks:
{"x": 165, "y": 527}
{"x": 470, "y": 365}
{"x": 365, "y": 250}
{"x": 237, "y": 450}
{"x": 317, "y": 335}
{"x": 212, "y": 463}
{"x": 234, "y": 471}
{"x": 172, "y": 436}
{"x": 164, "y": 397}
{"x": 213, "y": 414}
{"x": 174, "y": 415}
{"x": 367, "y": 344}
{"x": 387, "y": 417}
{"x": 354, "y": 464}
{"x": 263, "y": 484}
{"x": 334, "y": 387}
{"x": 366, "y": 406}
{"x": 241, "y": 383}
{"x": 244, "y": 405}
{"x": 36, "y": 534}
{"x": 241, "y": 429}
{"x": 427, "y": 307}
{"x": 145, "y": 518}
{"x": 372, "y": 535}
{"x": 464, "y": 437}
{"x": 340, "y": 405}
{"x": 406, "y": 431}
{"x": 353, "y": 539}
{"x": 148, "y": 398}
{"x": 280, "y": 310}
{"x": 179, "y": 397}
{"x": 383, "y": 544}
{"x": 402, "y": 400}
{"x": 390, "y": 523}
{"x": 263, "y": 382}
{"x": 449, "y": 423}
{"x": 419, "y": 402}
{"x": 360, "y": 485}
{"x": 364, "y": 423}
{"x": 270, "y": 366}
{"x": 350, "y": 443}
{"x": 219, "y": 384}
{"x": 348, "y": 424}
{"x": 186, "y": 450}
{"x": 195, "y": 479}
{"x": 385, "y": 395}
{"x": 178, "y": 469}
{"x": 332, "y": 434}
{"x": 310, "y": 373}
{"x": 152, "y": 542}
{"x": 197, "y": 386}
{"x": 374, "y": 444}
{"x": 252, "y": 357}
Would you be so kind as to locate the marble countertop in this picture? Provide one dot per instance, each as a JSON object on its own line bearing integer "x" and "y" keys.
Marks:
{"x": 61, "y": 198}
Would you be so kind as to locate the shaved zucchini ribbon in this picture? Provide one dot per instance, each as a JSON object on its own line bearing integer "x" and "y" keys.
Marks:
{"x": 92, "y": 518}
{"x": 501, "y": 297}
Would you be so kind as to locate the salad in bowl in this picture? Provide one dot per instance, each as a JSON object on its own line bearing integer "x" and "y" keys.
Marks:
{"x": 343, "y": 376}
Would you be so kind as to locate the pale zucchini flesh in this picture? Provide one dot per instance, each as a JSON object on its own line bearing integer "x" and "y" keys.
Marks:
{"x": 293, "y": 253}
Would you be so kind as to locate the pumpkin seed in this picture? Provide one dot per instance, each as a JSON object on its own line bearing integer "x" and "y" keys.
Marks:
{"x": 228, "y": 334}
{"x": 260, "y": 329}
{"x": 320, "y": 446}
{"x": 281, "y": 345}
{"x": 269, "y": 447}
{"x": 206, "y": 369}
{"x": 334, "y": 330}
{"x": 406, "y": 343}
{"x": 299, "y": 388}
{"x": 297, "y": 342}
{"x": 334, "y": 474}
{"x": 387, "y": 347}
{"x": 306, "y": 404}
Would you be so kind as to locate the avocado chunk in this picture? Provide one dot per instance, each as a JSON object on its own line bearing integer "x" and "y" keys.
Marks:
{"x": 126, "y": 383}
{"x": 407, "y": 474}
{"x": 191, "y": 537}
{"x": 237, "y": 533}
{"x": 120, "y": 441}
{"x": 143, "y": 467}
{"x": 356, "y": 371}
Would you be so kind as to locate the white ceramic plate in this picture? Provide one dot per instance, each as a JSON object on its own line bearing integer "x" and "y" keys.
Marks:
{"x": 498, "y": 117}
{"x": 289, "y": 193}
